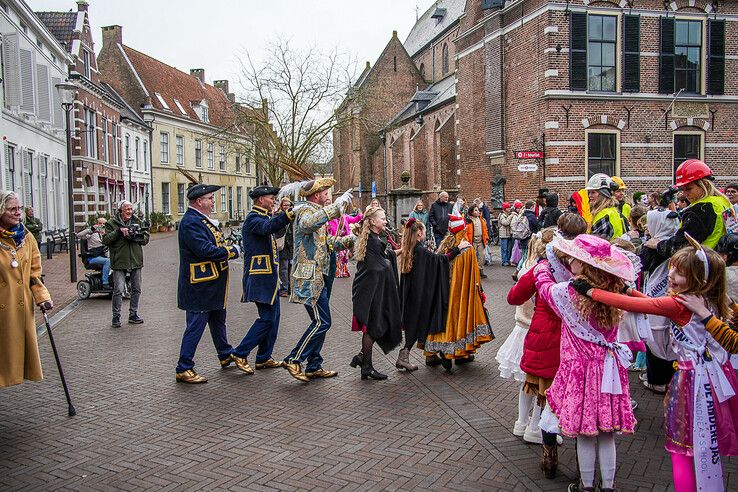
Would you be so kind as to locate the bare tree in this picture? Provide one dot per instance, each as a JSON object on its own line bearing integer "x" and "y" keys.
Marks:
{"x": 289, "y": 104}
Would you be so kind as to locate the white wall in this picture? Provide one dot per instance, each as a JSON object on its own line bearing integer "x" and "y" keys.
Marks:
{"x": 140, "y": 174}
{"x": 33, "y": 148}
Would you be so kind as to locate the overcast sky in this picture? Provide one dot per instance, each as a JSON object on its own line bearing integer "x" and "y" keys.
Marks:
{"x": 210, "y": 34}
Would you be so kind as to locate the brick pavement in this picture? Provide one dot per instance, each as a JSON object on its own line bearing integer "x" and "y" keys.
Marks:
{"x": 136, "y": 429}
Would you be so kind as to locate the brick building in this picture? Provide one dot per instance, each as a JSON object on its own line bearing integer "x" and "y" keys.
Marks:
{"x": 379, "y": 93}
{"x": 96, "y": 146}
{"x": 194, "y": 129}
{"x": 628, "y": 88}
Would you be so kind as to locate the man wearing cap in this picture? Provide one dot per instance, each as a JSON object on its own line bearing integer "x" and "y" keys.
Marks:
{"x": 261, "y": 277}
{"x": 310, "y": 271}
{"x": 203, "y": 283}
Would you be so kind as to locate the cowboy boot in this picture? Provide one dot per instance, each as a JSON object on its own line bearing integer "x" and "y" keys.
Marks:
{"x": 550, "y": 460}
{"x": 403, "y": 360}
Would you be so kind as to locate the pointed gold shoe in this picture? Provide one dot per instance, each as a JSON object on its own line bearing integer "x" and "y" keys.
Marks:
{"x": 270, "y": 364}
{"x": 227, "y": 361}
{"x": 296, "y": 372}
{"x": 321, "y": 374}
{"x": 190, "y": 377}
{"x": 242, "y": 364}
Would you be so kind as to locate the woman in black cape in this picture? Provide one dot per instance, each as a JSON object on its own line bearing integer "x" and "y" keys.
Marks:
{"x": 424, "y": 291}
{"x": 375, "y": 293}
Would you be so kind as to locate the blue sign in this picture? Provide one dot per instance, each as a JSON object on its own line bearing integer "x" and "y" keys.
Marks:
{"x": 374, "y": 189}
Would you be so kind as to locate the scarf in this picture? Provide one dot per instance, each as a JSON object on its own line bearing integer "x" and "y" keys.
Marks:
{"x": 17, "y": 232}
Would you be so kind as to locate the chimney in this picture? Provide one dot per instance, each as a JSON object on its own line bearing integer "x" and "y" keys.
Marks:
{"x": 112, "y": 35}
{"x": 265, "y": 108}
{"x": 222, "y": 85}
{"x": 198, "y": 73}
{"x": 82, "y": 6}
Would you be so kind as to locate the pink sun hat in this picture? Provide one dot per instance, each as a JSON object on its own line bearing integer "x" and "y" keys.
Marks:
{"x": 599, "y": 253}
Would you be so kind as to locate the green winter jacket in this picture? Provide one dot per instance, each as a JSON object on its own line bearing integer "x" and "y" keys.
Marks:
{"x": 125, "y": 254}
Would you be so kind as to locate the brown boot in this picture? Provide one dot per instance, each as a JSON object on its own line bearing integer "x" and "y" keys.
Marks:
{"x": 403, "y": 361}
{"x": 550, "y": 460}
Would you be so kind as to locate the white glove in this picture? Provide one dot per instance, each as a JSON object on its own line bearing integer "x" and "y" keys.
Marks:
{"x": 343, "y": 200}
{"x": 238, "y": 250}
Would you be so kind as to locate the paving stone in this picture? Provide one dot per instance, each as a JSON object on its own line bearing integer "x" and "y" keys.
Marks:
{"x": 137, "y": 429}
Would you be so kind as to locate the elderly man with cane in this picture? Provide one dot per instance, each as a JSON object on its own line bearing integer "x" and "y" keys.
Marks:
{"x": 20, "y": 288}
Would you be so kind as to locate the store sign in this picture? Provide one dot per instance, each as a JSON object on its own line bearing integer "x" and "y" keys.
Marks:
{"x": 527, "y": 168}
{"x": 529, "y": 154}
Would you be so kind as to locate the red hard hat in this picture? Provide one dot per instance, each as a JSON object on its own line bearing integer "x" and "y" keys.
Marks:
{"x": 691, "y": 170}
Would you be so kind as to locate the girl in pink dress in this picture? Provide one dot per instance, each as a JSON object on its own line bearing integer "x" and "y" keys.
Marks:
{"x": 700, "y": 408}
{"x": 589, "y": 397}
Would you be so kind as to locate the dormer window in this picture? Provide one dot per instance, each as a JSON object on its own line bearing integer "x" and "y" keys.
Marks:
{"x": 201, "y": 109}
{"x": 438, "y": 14}
{"x": 162, "y": 101}
{"x": 180, "y": 107}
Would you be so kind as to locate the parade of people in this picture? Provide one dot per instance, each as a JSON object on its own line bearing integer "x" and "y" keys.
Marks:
{"x": 484, "y": 246}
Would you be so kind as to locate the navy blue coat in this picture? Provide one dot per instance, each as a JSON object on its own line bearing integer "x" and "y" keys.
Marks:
{"x": 260, "y": 258}
{"x": 203, "y": 264}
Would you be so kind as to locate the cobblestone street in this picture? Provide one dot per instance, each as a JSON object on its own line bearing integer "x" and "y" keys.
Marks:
{"x": 136, "y": 429}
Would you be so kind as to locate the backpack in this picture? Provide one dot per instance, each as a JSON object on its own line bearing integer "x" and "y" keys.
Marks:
{"x": 520, "y": 227}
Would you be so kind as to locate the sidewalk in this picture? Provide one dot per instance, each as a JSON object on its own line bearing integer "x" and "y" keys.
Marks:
{"x": 56, "y": 277}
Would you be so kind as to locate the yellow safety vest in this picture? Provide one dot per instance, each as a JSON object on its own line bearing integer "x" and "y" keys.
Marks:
{"x": 626, "y": 210}
{"x": 719, "y": 205}
{"x": 616, "y": 221}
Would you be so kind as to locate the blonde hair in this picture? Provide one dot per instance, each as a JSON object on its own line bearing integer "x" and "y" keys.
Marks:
{"x": 708, "y": 188}
{"x": 409, "y": 240}
{"x": 714, "y": 288}
{"x": 602, "y": 203}
{"x": 360, "y": 247}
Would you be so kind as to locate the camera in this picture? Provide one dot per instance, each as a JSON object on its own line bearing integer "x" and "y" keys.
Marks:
{"x": 136, "y": 234}
{"x": 669, "y": 195}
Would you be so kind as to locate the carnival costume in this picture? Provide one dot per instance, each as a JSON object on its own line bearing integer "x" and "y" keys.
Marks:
{"x": 311, "y": 274}
{"x": 203, "y": 285}
{"x": 341, "y": 228}
{"x": 467, "y": 323}
{"x": 261, "y": 279}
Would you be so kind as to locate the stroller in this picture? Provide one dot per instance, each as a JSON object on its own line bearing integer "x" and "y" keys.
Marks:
{"x": 92, "y": 284}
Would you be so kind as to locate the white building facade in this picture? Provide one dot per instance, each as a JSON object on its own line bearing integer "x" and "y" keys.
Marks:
{"x": 33, "y": 160}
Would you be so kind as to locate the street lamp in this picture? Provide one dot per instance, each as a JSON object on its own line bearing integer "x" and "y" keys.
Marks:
{"x": 149, "y": 117}
{"x": 67, "y": 94}
{"x": 129, "y": 166}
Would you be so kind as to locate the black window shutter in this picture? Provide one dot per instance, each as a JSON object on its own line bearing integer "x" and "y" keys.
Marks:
{"x": 716, "y": 57}
{"x": 578, "y": 51}
{"x": 666, "y": 56}
{"x": 631, "y": 53}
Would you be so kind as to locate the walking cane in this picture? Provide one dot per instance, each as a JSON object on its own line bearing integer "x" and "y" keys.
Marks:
{"x": 72, "y": 410}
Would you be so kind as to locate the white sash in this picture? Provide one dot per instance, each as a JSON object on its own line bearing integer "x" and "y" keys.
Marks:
{"x": 657, "y": 285}
{"x": 707, "y": 375}
{"x": 616, "y": 352}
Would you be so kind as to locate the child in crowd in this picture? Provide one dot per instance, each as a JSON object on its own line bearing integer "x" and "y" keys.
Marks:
{"x": 589, "y": 397}
{"x": 694, "y": 418}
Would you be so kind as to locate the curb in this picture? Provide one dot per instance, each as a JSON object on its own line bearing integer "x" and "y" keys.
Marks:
{"x": 58, "y": 317}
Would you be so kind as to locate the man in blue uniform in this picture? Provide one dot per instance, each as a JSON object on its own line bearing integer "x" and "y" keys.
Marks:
{"x": 261, "y": 277}
{"x": 203, "y": 282}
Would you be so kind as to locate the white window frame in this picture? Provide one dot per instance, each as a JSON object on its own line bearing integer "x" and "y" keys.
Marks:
{"x": 181, "y": 206}
{"x": 165, "y": 205}
{"x": 198, "y": 153}
{"x": 179, "y": 142}
{"x": 587, "y": 132}
{"x": 223, "y": 202}
{"x": 222, "y": 156}
{"x": 164, "y": 144}
{"x": 211, "y": 156}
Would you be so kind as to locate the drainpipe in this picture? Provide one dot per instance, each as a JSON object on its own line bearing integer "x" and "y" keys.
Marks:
{"x": 384, "y": 169}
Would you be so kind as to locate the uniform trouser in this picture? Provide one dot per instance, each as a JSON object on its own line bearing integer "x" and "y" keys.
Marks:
{"x": 263, "y": 333}
{"x": 311, "y": 342}
{"x": 196, "y": 321}
{"x": 119, "y": 286}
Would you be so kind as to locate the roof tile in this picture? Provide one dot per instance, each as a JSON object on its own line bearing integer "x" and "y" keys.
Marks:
{"x": 61, "y": 25}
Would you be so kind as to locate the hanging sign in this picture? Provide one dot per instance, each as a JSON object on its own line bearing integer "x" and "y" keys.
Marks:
{"x": 529, "y": 154}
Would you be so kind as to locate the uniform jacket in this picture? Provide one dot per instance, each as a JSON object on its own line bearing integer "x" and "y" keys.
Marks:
{"x": 313, "y": 249}
{"x": 260, "y": 257}
{"x": 19, "y": 357}
{"x": 124, "y": 254}
{"x": 203, "y": 264}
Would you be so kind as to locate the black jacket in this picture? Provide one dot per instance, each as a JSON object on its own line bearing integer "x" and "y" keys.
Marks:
{"x": 532, "y": 221}
{"x": 551, "y": 213}
{"x": 438, "y": 216}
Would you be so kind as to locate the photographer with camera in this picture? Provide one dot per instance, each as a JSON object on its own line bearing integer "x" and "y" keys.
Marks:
{"x": 97, "y": 252}
{"x": 124, "y": 236}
